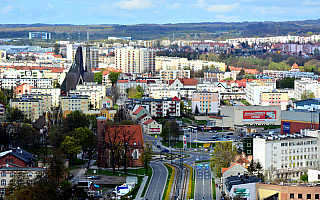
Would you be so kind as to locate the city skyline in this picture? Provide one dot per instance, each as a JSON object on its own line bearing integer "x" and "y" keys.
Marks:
{"x": 150, "y": 11}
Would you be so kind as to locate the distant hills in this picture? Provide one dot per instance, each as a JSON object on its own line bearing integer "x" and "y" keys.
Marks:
{"x": 205, "y": 30}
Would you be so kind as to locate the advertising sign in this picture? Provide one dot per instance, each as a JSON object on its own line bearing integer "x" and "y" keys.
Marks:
{"x": 259, "y": 116}
{"x": 243, "y": 192}
{"x": 286, "y": 127}
{"x": 154, "y": 129}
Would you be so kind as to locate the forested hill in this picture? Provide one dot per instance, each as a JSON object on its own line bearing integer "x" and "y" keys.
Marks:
{"x": 205, "y": 30}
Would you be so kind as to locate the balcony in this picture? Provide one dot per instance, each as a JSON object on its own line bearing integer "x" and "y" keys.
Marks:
{"x": 172, "y": 104}
{"x": 159, "y": 108}
{"x": 158, "y": 112}
{"x": 159, "y": 104}
{"x": 172, "y": 111}
{"x": 172, "y": 107}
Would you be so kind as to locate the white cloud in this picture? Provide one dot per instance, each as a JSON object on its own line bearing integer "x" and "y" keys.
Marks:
{"x": 222, "y": 8}
{"x": 273, "y": 10}
{"x": 6, "y": 9}
{"x": 310, "y": 3}
{"x": 49, "y": 6}
{"x": 173, "y": 6}
{"x": 135, "y": 4}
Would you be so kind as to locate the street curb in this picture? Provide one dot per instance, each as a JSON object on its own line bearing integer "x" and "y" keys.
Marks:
{"x": 149, "y": 183}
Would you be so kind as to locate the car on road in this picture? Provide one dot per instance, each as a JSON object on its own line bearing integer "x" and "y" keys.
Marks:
{"x": 214, "y": 137}
{"x": 93, "y": 177}
{"x": 229, "y": 133}
{"x": 164, "y": 151}
{"x": 228, "y": 137}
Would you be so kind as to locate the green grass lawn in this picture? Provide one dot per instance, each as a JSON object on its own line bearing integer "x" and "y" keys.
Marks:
{"x": 166, "y": 187}
{"x": 201, "y": 122}
{"x": 213, "y": 189}
{"x": 179, "y": 144}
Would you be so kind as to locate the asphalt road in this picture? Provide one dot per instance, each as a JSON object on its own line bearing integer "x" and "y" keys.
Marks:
{"x": 158, "y": 181}
{"x": 203, "y": 188}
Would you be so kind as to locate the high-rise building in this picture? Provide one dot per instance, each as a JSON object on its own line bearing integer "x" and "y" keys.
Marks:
{"x": 131, "y": 60}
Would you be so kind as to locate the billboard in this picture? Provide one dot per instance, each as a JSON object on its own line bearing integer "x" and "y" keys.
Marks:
{"x": 286, "y": 127}
{"x": 259, "y": 116}
{"x": 243, "y": 192}
{"x": 154, "y": 129}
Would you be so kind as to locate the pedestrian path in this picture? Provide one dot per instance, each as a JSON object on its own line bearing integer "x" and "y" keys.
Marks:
{"x": 144, "y": 181}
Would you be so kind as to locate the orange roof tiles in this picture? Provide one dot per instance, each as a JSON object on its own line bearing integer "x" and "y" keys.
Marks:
{"x": 295, "y": 66}
{"x": 138, "y": 110}
{"x": 148, "y": 122}
{"x": 188, "y": 81}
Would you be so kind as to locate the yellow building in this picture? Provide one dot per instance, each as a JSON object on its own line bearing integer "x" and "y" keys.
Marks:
{"x": 74, "y": 102}
{"x": 30, "y": 107}
{"x": 274, "y": 98}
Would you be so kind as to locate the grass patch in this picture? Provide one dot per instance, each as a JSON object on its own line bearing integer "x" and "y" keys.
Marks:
{"x": 139, "y": 171}
{"x": 167, "y": 190}
{"x": 179, "y": 144}
{"x": 201, "y": 122}
{"x": 213, "y": 189}
{"x": 187, "y": 121}
{"x": 189, "y": 193}
{"x": 147, "y": 183}
{"x": 202, "y": 161}
{"x": 105, "y": 172}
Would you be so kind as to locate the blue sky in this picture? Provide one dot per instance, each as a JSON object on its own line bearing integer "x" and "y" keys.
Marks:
{"x": 154, "y": 11}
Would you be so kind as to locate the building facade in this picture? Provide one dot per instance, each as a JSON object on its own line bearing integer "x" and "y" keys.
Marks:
{"x": 205, "y": 102}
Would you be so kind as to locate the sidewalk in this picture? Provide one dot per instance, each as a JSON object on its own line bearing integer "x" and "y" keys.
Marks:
{"x": 144, "y": 181}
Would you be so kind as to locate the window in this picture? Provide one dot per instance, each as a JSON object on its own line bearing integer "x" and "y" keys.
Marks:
{"x": 316, "y": 196}
{"x": 3, "y": 190}
{"x": 308, "y": 196}
{"x": 3, "y": 174}
{"x": 299, "y": 196}
{"x": 291, "y": 195}
{"x": 12, "y": 174}
{"x": 30, "y": 174}
{"x": 3, "y": 182}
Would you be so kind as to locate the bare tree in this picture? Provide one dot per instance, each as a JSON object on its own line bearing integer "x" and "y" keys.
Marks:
{"x": 115, "y": 94}
{"x": 126, "y": 136}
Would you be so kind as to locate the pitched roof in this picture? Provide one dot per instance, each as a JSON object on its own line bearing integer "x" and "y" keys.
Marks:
{"x": 143, "y": 116}
{"x": 295, "y": 66}
{"x": 138, "y": 110}
{"x": 223, "y": 170}
{"x": 148, "y": 122}
{"x": 188, "y": 81}
{"x": 19, "y": 153}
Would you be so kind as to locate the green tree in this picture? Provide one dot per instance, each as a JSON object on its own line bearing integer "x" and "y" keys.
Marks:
{"x": 229, "y": 79}
{"x": 182, "y": 110}
{"x": 70, "y": 146}
{"x": 146, "y": 154}
{"x": 14, "y": 115}
{"x": 312, "y": 68}
{"x": 98, "y": 77}
{"x": 56, "y": 48}
{"x": 222, "y": 157}
{"x": 87, "y": 141}
{"x": 113, "y": 77}
{"x": 140, "y": 89}
{"x": 75, "y": 120}
{"x": 196, "y": 110}
{"x": 304, "y": 178}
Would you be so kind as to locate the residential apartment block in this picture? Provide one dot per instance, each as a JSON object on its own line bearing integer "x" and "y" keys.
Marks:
{"x": 74, "y": 102}
{"x": 205, "y": 102}
{"x": 306, "y": 85}
{"x": 31, "y": 108}
{"x": 11, "y": 83}
{"x": 291, "y": 74}
{"x": 166, "y": 75}
{"x": 274, "y": 98}
{"x": 131, "y": 60}
{"x": 253, "y": 91}
{"x": 54, "y": 92}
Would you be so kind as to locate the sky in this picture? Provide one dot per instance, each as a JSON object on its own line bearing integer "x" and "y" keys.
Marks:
{"x": 129, "y": 12}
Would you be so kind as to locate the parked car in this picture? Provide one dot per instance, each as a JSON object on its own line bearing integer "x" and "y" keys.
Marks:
{"x": 164, "y": 151}
{"x": 214, "y": 137}
{"x": 93, "y": 177}
{"x": 210, "y": 131}
{"x": 229, "y": 133}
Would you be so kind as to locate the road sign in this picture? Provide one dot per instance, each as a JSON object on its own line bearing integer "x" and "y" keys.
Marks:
{"x": 207, "y": 166}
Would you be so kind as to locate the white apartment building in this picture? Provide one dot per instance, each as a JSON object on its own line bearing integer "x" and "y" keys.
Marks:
{"x": 131, "y": 60}
{"x": 163, "y": 93}
{"x": 10, "y": 83}
{"x": 253, "y": 91}
{"x": 170, "y": 63}
{"x": 286, "y": 151}
{"x": 306, "y": 85}
{"x": 54, "y": 92}
{"x": 93, "y": 86}
{"x": 125, "y": 84}
{"x": 17, "y": 74}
